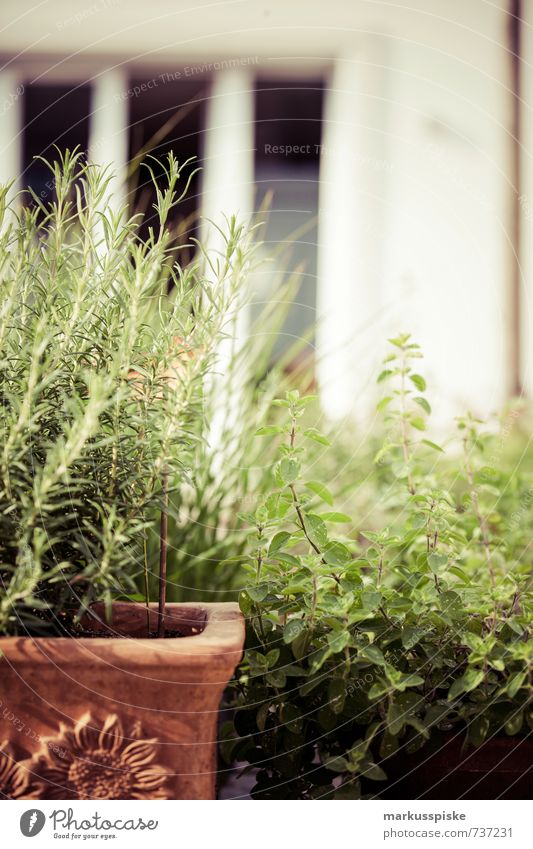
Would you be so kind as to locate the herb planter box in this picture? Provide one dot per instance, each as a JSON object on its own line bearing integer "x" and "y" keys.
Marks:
{"x": 498, "y": 769}
{"x": 118, "y": 715}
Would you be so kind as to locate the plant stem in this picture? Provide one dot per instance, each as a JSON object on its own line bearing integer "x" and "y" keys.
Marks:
{"x": 298, "y": 509}
{"x": 163, "y": 548}
{"x": 485, "y": 538}
{"x": 146, "y": 588}
{"x": 405, "y": 437}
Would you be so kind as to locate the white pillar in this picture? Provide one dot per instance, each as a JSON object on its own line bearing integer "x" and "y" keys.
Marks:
{"x": 108, "y": 130}
{"x": 228, "y": 165}
{"x": 228, "y": 189}
{"x": 447, "y": 249}
{"x": 11, "y": 93}
{"x": 526, "y": 199}
{"x": 353, "y": 173}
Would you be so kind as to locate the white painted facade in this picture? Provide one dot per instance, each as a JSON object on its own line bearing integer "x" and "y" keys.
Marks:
{"x": 415, "y": 195}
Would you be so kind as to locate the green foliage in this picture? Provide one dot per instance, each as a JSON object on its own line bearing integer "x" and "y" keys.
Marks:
{"x": 365, "y": 643}
{"x": 232, "y": 476}
{"x": 102, "y": 384}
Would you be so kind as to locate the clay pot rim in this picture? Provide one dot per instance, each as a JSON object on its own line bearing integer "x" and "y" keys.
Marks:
{"x": 222, "y": 638}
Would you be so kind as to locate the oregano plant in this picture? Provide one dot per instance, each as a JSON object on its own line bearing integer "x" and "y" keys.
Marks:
{"x": 364, "y": 644}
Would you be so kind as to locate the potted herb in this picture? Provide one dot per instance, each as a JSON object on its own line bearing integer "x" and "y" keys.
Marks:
{"x": 106, "y": 691}
{"x": 390, "y": 662}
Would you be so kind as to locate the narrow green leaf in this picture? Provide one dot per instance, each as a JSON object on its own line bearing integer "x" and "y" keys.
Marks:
{"x": 313, "y": 433}
{"x": 339, "y": 518}
{"x": 269, "y": 430}
{"x": 418, "y": 381}
{"x": 433, "y": 445}
{"x": 423, "y": 403}
{"x": 321, "y": 490}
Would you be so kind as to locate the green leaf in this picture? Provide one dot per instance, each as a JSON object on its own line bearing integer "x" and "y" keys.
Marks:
{"x": 383, "y": 403}
{"x": 337, "y": 694}
{"x": 389, "y": 745}
{"x": 289, "y": 559}
{"x": 276, "y": 678}
{"x": 401, "y": 340}
{"x": 313, "y": 433}
{"x": 316, "y": 529}
{"x": 514, "y": 723}
{"x": 374, "y": 772}
{"x": 468, "y": 682}
{"x": 245, "y": 603}
{"x": 396, "y": 716}
{"x": 412, "y": 636}
{"x": 383, "y": 451}
{"x": 378, "y": 689}
{"x": 436, "y": 713}
{"x": 433, "y": 445}
{"x": 269, "y": 430}
{"x": 418, "y": 381}
{"x": 374, "y": 654}
{"x": 306, "y": 400}
{"x": 278, "y": 542}
{"x": 292, "y": 718}
{"x": 338, "y": 641}
{"x": 459, "y": 573}
{"x": 478, "y": 730}
{"x": 339, "y": 518}
{"x": 370, "y": 599}
{"x": 293, "y": 629}
{"x": 337, "y": 764}
{"x": 320, "y": 490}
{"x": 384, "y": 375}
{"x": 272, "y": 657}
{"x": 437, "y": 562}
{"x": 423, "y": 403}
{"x": 408, "y": 680}
{"x": 418, "y": 521}
{"x": 288, "y": 470}
{"x": 336, "y": 554}
{"x": 514, "y": 683}
{"x": 311, "y": 684}
{"x": 258, "y": 593}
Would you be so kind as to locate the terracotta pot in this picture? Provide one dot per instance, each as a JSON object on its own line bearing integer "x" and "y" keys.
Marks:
{"x": 120, "y": 716}
{"x": 444, "y": 769}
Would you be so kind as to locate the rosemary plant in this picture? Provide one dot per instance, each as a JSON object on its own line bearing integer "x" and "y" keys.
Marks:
{"x": 102, "y": 383}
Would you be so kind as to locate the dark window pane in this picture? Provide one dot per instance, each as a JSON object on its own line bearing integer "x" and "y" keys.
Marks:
{"x": 53, "y": 115}
{"x": 167, "y": 114}
{"x": 288, "y": 132}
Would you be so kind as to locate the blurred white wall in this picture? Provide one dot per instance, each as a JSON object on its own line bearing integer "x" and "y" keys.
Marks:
{"x": 415, "y": 200}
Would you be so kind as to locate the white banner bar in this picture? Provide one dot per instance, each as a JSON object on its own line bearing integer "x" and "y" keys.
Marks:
{"x": 347, "y": 824}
